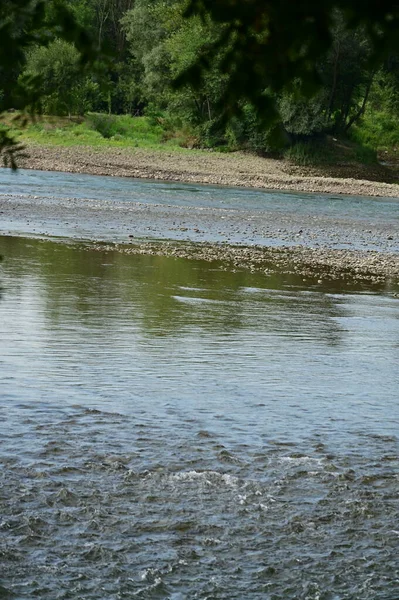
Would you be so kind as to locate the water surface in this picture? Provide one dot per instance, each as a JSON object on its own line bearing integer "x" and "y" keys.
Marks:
{"x": 172, "y": 430}
{"x": 115, "y": 209}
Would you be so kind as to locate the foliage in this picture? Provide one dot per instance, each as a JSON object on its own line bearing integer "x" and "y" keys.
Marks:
{"x": 10, "y": 149}
{"x": 248, "y": 133}
{"x": 379, "y": 130}
{"x": 303, "y": 153}
{"x": 341, "y": 99}
{"x": 273, "y": 44}
{"x": 379, "y": 125}
{"x": 199, "y": 55}
{"x": 329, "y": 151}
{"x": 213, "y": 73}
{"x": 105, "y": 125}
{"x": 125, "y": 127}
{"x": 23, "y": 24}
{"x": 101, "y": 130}
{"x": 65, "y": 87}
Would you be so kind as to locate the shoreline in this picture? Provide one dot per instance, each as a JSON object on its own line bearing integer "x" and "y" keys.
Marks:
{"x": 231, "y": 169}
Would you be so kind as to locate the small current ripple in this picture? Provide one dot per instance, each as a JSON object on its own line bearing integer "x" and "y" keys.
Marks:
{"x": 112, "y": 506}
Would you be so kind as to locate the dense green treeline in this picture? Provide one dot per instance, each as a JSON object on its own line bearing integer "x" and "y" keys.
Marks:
{"x": 151, "y": 51}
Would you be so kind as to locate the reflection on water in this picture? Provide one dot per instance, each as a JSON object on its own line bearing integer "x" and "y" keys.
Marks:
{"x": 173, "y": 430}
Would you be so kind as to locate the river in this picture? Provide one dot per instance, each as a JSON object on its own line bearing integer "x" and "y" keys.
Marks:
{"x": 116, "y": 209}
{"x": 172, "y": 429}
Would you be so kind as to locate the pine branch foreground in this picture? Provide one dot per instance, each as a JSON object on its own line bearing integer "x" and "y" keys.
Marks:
{"x": 23, "y": 24}
{"x": 273, "y": 44}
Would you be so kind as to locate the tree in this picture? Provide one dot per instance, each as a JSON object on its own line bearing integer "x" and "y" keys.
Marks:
{"x": 163, "y": 43}
{"x": 103, "y": 18}
{"x": 65, "y": 87}
{"x": 249, "y": 63}
{"x": 24, "y": 24}
{"x": 346, "y": 79}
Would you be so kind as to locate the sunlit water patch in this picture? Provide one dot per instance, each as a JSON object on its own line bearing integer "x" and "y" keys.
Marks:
{"x": 172, "y": 430}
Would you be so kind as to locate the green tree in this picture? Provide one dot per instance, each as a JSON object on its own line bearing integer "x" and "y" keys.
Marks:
{"x": 346, "y": 79}
{"x": 146, "y": 31}
{"x": 163, "y": 44}
{"x": 106, "y": 27}
{"x": 65, "y": 87}
{"x": 23, "y": 25}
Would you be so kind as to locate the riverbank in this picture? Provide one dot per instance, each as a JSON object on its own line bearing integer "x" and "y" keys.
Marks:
{"x": 196, "y": 166}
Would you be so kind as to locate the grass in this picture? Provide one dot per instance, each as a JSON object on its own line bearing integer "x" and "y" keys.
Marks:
{"x": 330, "y": 152}
{"x": 98, "y": 130}
{"x": 302, "y": 153}
{"x": 378, "y": 130}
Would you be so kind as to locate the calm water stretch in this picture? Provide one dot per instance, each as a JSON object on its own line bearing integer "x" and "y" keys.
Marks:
{"x": 171, "y": 430}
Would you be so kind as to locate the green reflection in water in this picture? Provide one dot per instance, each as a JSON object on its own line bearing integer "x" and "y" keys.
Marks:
{"x": 161, "y": 296}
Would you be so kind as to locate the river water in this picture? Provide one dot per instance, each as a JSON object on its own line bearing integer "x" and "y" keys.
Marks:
{"x": 116, "y": 209}
{"x": 170, "y": 429}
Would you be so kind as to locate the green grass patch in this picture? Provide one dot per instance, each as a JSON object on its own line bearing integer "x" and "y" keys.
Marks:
{"x": 139, "y": 130}
{"x": 98, "y": 130}
{"x": 377, "y": 130}
{"x": 302, "y": 153}
{"x": 330, "y": 152}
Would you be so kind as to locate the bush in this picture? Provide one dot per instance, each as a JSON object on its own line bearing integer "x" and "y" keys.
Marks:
{"x": 249, "y": 133}
{"x": 65, "y": 88}
{"x": 378, "y": 130}
{"x": 330, "y": 152}
{"x": 106, "y": 125}
{"x": 366, "y": 155}
{"x": 303, "y": 154}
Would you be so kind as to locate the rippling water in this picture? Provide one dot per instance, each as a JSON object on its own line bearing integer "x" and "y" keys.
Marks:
{"x": 172, "y": 430}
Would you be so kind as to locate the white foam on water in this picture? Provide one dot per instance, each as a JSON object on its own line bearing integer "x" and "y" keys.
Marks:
{"x": 206, "y": 477}
{"x": 300, "y": 460}
{"x": 192, "y": 300}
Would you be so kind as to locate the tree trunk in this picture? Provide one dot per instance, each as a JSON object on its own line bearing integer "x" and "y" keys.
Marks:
{"x": 209, "y": 109}
{"x": 361, "y": 110}
{"x": 334, "y": 84}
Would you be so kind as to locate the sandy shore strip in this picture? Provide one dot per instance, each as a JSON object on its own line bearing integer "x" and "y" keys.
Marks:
{"x": 232, "y": 169}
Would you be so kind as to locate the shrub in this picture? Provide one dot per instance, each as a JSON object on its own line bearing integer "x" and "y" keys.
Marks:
{"x": 303, "y": 154}
{"x": 104, "y": 124}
